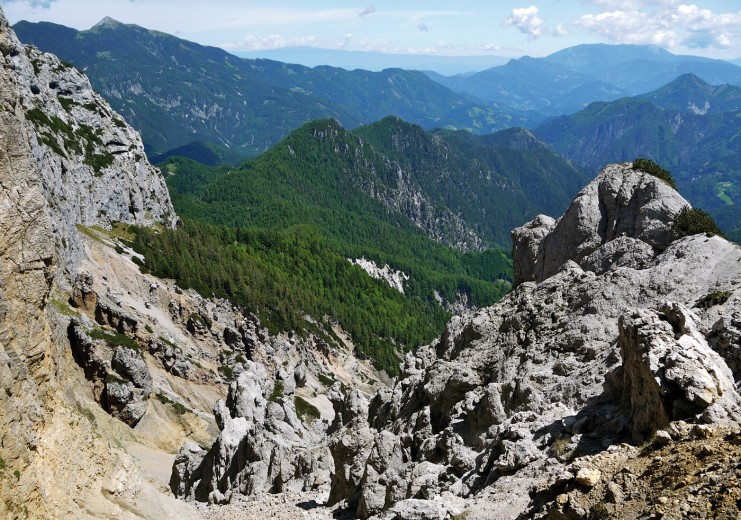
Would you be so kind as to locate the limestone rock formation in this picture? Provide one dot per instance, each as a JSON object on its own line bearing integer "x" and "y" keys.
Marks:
{"x": 268, "y": 442}
{"x": 91, "y": 165}
{"x": 596, "y": 346}
{"x": 670, "y": 372}
{"x": 628, "y": 209}
{"x": 27, "y": 267}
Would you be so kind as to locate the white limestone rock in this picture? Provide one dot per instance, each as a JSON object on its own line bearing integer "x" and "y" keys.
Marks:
{"x": 509, "y": 395}
{"x": 91, "y": 164}
{"x": 620, "y": 202}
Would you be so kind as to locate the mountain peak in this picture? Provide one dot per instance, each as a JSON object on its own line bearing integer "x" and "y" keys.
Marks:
{"x": 106, "y": 22}
{"x": 690, "y": 93}
{"x": 691, "y": 79}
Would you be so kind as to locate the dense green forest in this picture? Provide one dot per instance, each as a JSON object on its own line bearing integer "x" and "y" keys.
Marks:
{"x": 283, "y": 276}
{"x": 327, "y": 176}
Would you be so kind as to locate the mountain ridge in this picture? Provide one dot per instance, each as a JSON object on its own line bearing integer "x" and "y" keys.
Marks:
{"x": 430, "y": 177}
{"x": 571, "y": 78}
{"x": 171, "y": 109}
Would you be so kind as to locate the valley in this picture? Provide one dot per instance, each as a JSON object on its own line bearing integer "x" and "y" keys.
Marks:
{"x": 351, "y": 294}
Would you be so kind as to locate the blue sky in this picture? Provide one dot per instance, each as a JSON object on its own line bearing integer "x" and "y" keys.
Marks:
{"x": 453, "y": 28}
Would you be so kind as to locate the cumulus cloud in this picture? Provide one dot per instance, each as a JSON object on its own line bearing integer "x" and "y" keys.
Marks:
{"x": 367, "y": 11}
{"x": 667, "y": 23}
{"x": 527, "y": 21}
{"x": 423, "y": 27}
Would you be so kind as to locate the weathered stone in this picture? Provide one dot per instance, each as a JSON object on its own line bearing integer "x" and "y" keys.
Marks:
{"x": 106, "y": 314}
{"x": 549, "y": 371}
{"x": 620, "y": 203}
{"x": 588, "y": 477}
{"x": 262, "y": 446}
{"x": 124, "y": 401}
{"x": 671, "y": 373}
{"x": 184, "y": 471}
{"x": 131, "y": 365}
{"x": 83, "y": 295}
{"x": 413, "y": 509}
{"x": 526, "y": 242}
{"x": 662, "y": 438}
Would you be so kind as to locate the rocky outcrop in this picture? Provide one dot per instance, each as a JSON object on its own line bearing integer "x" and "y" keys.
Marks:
{"x": 91, "y": 165}
{"x": 630, "y": 210}
{"x": 350, "y": 443}
{"x": 596, "y": 346}
{"x": 270, "y": 441}
{"x": 670, "y": 373}
{"x": 386, "y": 273}
{"x": 119, "y": 374}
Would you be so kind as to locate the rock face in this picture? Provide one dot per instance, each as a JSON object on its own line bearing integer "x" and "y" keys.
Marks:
{"x": 27, "y": 267}
{"x": 603, "y": 341}
{"x": 120, "y": 377}
{"x": 91, "y": 165}
{"x": 670, "y": 372}
{"x": 65, "y": 159}
{"x": 630, "y": 210}
{"x": 393, "y": 277}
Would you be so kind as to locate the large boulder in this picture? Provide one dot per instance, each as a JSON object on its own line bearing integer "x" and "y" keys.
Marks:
{"x": 671, "y": 373}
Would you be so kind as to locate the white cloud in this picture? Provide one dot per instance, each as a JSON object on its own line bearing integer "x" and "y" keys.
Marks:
{"x": 560, "y": 30}
{"x": 616, "y": 5}
{"x": 526, "y": 19}
{"x": 272, "y": 41}
{"x": 344, "y": 42}
{"x": 667, "y": 23}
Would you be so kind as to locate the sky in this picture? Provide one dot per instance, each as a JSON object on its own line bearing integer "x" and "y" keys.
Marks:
{"x": 709, "y": 28}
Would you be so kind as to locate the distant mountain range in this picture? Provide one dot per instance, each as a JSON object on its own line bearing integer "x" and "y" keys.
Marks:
{"x": 376, "y": 61}
{"x": 214, "y": 107}
{"x": 176, "y": 92}
{"x": 688, "y": 126}
{"x": 568, "y": 80}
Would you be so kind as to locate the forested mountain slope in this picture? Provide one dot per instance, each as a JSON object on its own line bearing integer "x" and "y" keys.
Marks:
{"x": 463, "y": 190}
{"x": 425, "y": 204}
{"x": 176, "y": 92}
